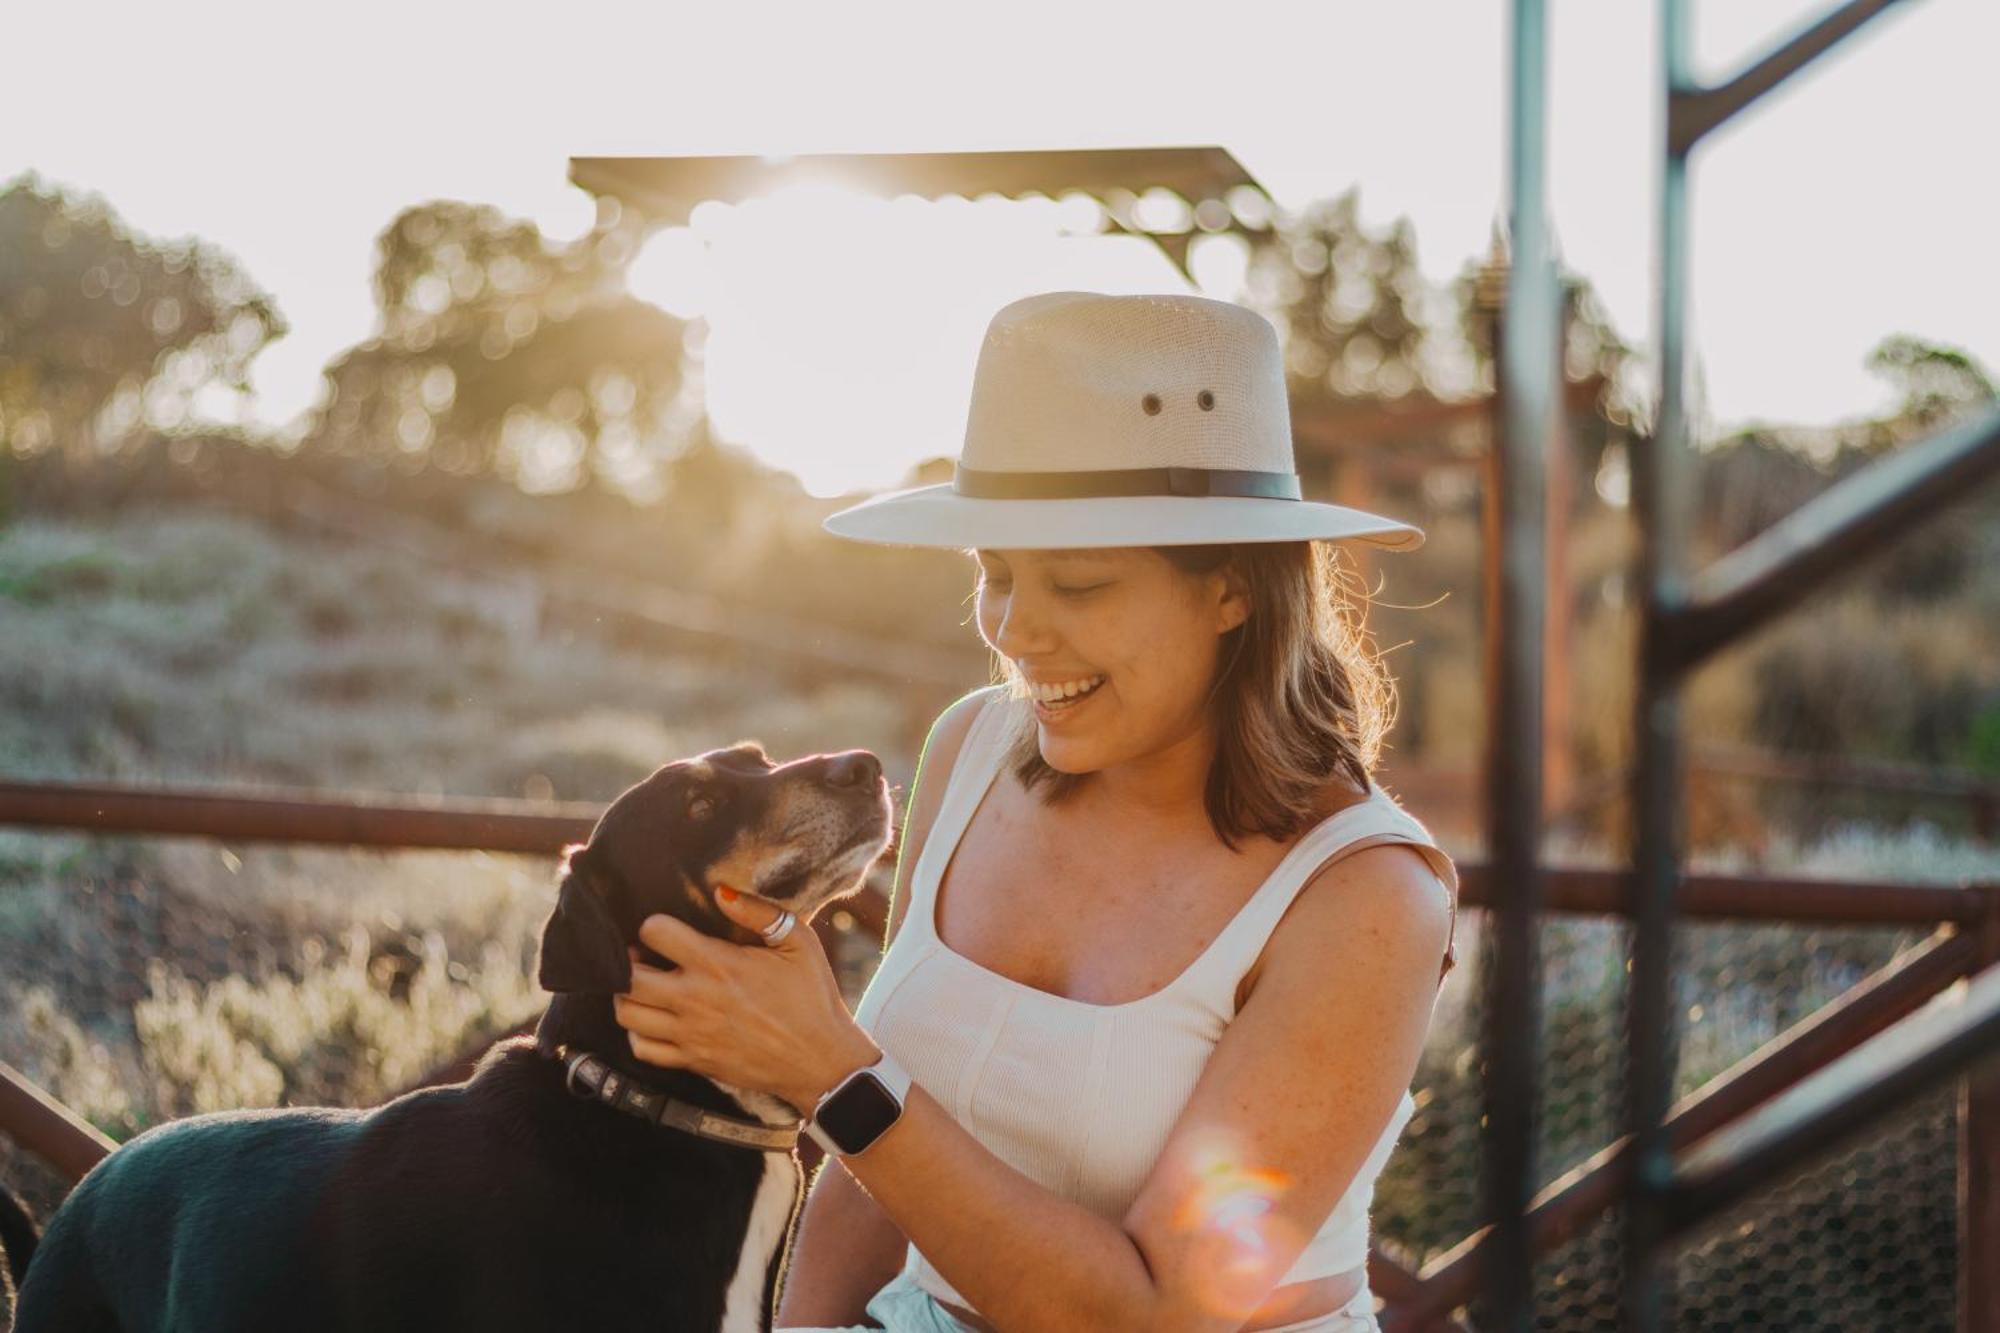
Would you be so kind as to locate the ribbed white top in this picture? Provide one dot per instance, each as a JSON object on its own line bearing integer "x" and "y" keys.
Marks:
{"x": 1080, "y": 1097}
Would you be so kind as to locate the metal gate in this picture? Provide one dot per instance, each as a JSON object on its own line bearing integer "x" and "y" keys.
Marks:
{"x": 1688, "y": 615}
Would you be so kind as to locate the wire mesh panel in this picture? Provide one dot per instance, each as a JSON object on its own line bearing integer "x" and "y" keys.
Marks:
{"x": 1866, "y": 1240}
{"x": 143, "y": 981}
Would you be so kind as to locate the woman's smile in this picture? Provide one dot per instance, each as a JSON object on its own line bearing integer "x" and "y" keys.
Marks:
{"x": 1049, "y": 711}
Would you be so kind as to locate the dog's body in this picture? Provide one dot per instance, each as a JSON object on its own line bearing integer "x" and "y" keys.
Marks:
{"x": 505, "y": 1202}
{"x": 18, "y": 1238}
{"x": 500, "y": 1203}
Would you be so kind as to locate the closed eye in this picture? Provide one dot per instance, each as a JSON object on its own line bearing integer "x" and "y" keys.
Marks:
{"x": 1065, "y": 589}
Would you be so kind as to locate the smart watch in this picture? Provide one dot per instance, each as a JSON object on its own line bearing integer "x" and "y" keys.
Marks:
{"x": 858, "y": 1109}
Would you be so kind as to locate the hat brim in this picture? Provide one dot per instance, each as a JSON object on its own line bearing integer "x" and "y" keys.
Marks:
{"x": 938, "y": 515}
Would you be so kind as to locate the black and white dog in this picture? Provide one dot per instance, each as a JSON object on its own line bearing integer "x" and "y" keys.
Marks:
{"x": 552, "y": 1190}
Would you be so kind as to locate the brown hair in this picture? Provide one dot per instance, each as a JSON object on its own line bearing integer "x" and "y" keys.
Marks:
{"x": 1300, "y": 695}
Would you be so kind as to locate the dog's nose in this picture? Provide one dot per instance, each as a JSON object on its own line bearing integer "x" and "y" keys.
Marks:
{"x": 855, "y": 768}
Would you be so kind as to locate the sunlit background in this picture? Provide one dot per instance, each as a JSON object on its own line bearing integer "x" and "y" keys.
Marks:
{"x": 346, "y": 445}
{"x": 842, "y": 348}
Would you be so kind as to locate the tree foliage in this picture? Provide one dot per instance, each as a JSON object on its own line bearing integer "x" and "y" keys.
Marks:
{"x": 1363, "y": 323}
{"x": 1359, "y": 318}
{"x": 1938, "y": 383}
{"x": 499, "y": 353}
{"x": 103, "y": 331}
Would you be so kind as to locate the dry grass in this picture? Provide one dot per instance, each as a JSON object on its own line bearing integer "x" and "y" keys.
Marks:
{"x": 153, "y": 978}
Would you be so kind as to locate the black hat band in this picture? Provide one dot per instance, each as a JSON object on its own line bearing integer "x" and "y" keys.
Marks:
{"x": 988, "y": 485}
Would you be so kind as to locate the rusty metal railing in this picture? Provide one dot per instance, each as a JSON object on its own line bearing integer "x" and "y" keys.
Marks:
{"x": 1687, "y": 619}
{"x": 1965, "y": 916}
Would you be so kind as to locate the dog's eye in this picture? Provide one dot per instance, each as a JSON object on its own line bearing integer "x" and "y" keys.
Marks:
{"x": 700, "y": 807}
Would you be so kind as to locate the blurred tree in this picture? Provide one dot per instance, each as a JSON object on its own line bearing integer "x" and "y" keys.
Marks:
{"x": 1752, "y": 479}
{"x": 1359, "y": 318}
{"x": 1363, "y": 323}
{"x": 103, "y": 332}
{"x": 1940, "y": 386}
{"x": 1591, "y": 345}
{"x": 498, "y": 353}
{"x": 1939, "y": 383}
{"x": 1900, "y": 659}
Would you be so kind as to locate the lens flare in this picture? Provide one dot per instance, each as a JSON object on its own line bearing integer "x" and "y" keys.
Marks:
{"x": 1241, "y": 1244}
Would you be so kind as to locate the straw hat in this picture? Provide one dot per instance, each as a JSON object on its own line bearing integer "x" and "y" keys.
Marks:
{"x": 1101, "y": 420}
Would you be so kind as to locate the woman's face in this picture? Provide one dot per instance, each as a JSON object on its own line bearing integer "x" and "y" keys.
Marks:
{"x": 1123, "y": 621}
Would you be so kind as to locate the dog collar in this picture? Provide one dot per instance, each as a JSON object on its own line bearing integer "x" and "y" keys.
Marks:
{"x": 591, "y": 1078}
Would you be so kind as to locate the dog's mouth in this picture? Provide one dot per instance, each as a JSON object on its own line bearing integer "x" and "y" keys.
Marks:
{"x": 787, "y": 888}
{"x": 810, "y": 881}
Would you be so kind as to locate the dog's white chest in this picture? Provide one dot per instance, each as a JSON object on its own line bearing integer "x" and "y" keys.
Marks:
{"x": 770, "y": 1214}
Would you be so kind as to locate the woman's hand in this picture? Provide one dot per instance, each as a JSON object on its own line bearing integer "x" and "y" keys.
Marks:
{"x": 770, "y": 1019}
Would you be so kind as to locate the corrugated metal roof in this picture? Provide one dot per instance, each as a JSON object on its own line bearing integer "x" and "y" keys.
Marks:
{"x": 666, "y": 189}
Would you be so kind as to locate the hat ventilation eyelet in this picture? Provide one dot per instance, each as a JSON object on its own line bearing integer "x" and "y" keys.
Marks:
{"x": 1151, "y": 402}
{"x": 1205, "y": 400}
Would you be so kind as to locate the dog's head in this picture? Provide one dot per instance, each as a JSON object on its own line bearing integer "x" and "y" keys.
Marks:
{"x": 797, "y": 834}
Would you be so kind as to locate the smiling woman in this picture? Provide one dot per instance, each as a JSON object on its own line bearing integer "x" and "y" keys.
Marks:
{"x": 1308, "y": 675}
{"x": 1162, "y": 954}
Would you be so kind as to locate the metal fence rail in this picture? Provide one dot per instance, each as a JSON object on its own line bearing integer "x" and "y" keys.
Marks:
{"x": 543, "y": 828}
{"x": 1963, "y": 915}
{"x": 1687, "y": 618}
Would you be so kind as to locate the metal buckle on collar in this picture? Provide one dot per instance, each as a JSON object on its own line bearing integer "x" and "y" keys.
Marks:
{"x": 572, "y": 1067}
{"x": 587, "y": 1077}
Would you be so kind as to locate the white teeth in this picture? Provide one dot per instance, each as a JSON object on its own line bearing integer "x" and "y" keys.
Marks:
{"x": 1068, "y": 689}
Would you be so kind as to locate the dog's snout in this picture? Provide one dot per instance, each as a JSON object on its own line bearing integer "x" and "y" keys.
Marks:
{"x": 855, "y": 768}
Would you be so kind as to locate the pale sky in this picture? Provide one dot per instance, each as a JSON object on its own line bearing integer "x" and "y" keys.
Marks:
{"x": 291, "y": 145}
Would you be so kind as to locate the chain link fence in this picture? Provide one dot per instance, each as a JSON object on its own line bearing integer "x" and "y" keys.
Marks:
{"x": 178, "y": 977}
{"x": 1865, "y": 1240}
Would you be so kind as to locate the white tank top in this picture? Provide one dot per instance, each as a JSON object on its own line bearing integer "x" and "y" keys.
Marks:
{"x": 1080, "y": 1097}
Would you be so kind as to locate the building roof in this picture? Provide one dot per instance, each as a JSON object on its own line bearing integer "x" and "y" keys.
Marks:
{"x": 666, "y": 189}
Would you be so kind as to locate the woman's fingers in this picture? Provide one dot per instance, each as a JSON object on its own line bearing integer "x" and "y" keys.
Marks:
{"x": 670, "y": 937}
{"x": 656, "y": 1052}
{"x": 657, "y": 987}
{"x": 645, "y": 1019}
{"x": 753, "y": 913}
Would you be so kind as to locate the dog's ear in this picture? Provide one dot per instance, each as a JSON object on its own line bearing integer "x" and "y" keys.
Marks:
{"x": 583, "y": 950}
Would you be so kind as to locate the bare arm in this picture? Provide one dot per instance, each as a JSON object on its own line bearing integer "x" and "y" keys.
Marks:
{"x": 1298, "y": 1088}
{"x": 847, "y": 1247}
{"x": 847, "y": 1250}
{"x": 1295, "y": 1094}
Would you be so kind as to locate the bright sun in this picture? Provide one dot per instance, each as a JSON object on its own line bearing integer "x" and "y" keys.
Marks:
{"x": 842, "y": 328}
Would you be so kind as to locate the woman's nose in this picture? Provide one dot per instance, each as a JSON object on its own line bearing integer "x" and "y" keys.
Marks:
{"x": 1019, "y": 631}
{"x": 853, "y": 768}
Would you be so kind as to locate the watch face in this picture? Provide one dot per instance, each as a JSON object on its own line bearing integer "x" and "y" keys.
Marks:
{"x": 860, "y": 1111}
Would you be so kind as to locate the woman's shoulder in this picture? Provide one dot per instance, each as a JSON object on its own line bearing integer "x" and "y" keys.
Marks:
{"x": 934, "y": 764}
{"x": 1383, "y": 892}
{"x": 1382, "y": 877}
{"x": 947, "y": 739}
{"x": 948, "y": 733}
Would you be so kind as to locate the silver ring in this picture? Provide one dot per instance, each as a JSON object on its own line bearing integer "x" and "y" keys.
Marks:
{"x": 776, "y": 932}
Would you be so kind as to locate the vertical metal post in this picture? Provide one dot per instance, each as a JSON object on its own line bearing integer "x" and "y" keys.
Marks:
{"x": 1662, "y": 494}
{"x": 1528, "y": 384}
{"x": 1559, "y": 659}
{"x": 1979, "y": 1168}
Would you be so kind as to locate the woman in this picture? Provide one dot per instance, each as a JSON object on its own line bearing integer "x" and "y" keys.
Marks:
{"x": 1162, "y": 955}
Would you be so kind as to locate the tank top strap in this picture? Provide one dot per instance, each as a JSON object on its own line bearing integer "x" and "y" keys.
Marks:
{"x": 1378, "y": 818}
{"x": 971, "y": 773}
{"x": 1365, "y": 823}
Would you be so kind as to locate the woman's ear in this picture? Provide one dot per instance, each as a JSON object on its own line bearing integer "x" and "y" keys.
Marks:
{"x": 582, "y": 949}
{"x": 1232, "y": 604}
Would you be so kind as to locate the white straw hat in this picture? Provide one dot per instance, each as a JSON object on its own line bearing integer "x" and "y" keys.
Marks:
{"x": 1101, "y": 420}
